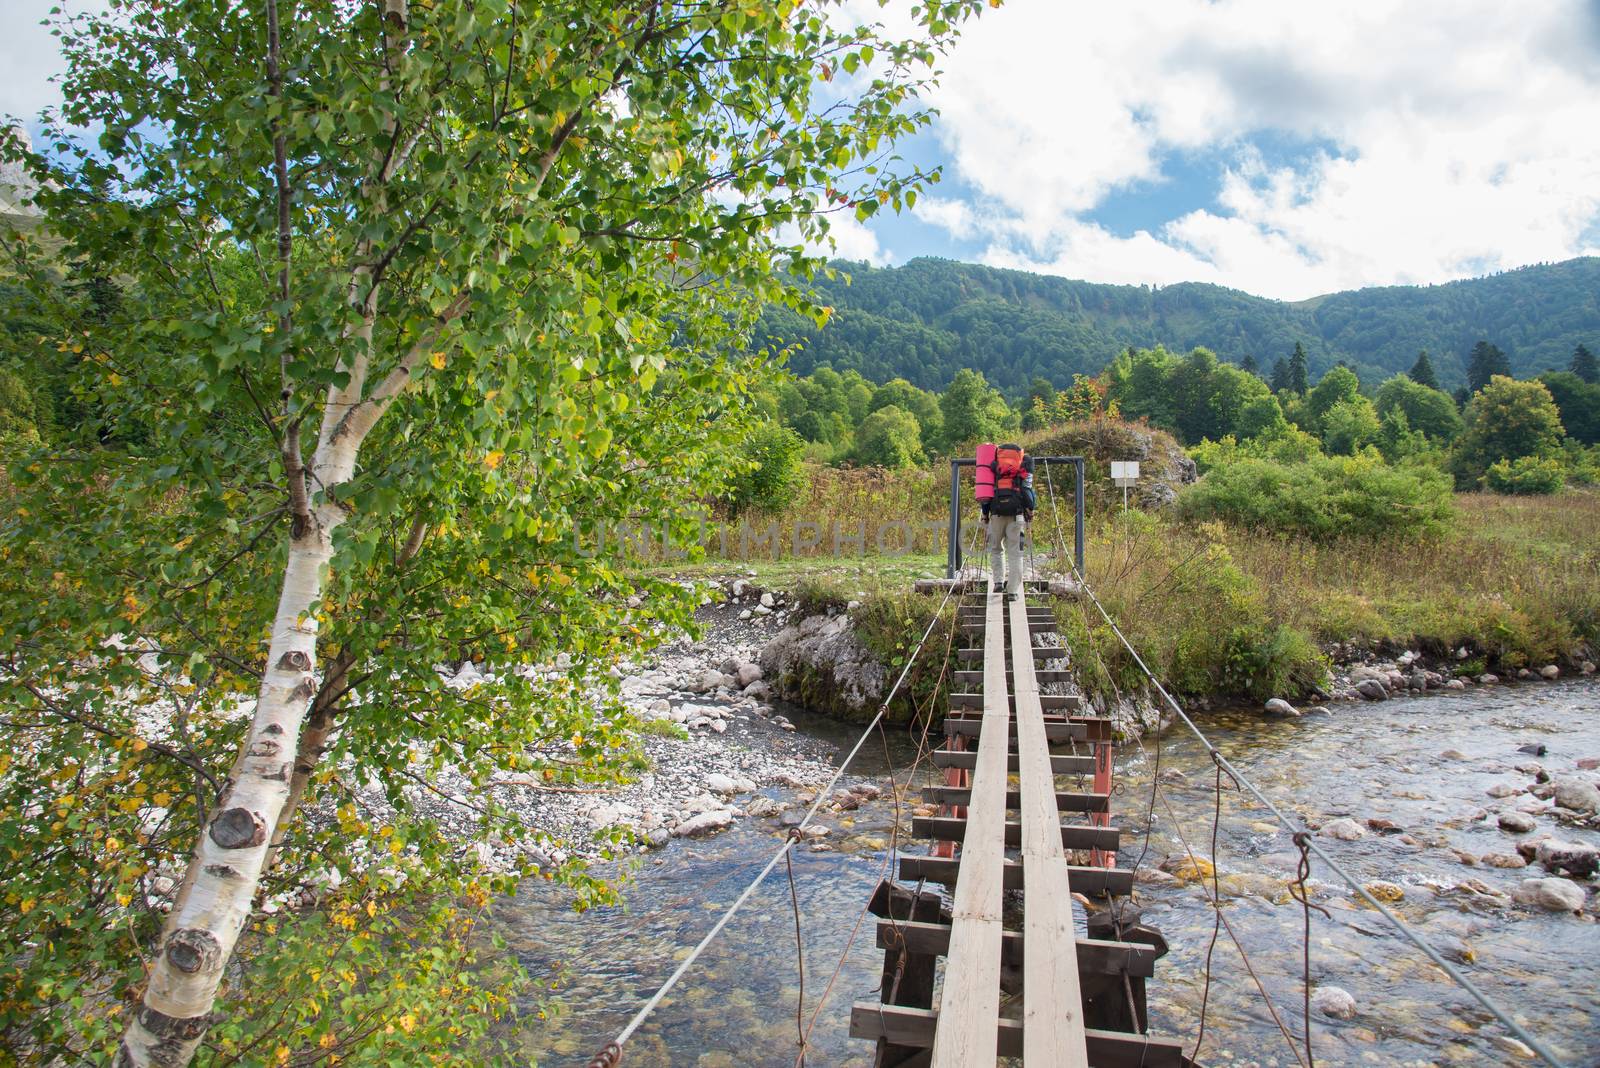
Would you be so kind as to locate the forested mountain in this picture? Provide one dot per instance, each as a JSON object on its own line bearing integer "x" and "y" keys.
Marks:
{"x": 929, "y": 318}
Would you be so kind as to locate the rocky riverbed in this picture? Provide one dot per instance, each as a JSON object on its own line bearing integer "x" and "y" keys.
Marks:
{"x": 1427, "y": 798}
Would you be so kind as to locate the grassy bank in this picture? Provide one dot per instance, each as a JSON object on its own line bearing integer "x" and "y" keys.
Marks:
{"x": 1224, "y": 611}
{"x": 1238, "y": 613}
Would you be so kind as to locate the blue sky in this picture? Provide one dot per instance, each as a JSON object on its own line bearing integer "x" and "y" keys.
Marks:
{"x": 1283, "y": 149}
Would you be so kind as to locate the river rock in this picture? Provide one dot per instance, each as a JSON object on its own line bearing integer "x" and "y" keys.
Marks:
{"x": 1587, "y": 667}
{"x": 1383, "y": 826}
{"x": 1501, "y": 789}
{"x": 1279, "y": 707}
{"x": 1550, "y": 671}
{"x": 1589, "y": 763}
{"x": 727, "y": 785}
{"x": 1188, "y": 869}
{"x": 813, "y": 831}
{"x": 1503, "y": 860}
{"x": 1577, "y": 795}
{"x": 703, "y": 824}
{"x": 747, "y": 675}
{"x": 1516, "y": 822}
{"x": 1372, "y": 689}
{"x": 1557, "y": 895}
{"x": 1453, "y": 754}
{"x": 1525, "y": 674}
{"x": 1487, "y": 679}
{"x": 1385, "y": 891}
{"x": 1254, "y": 884}
{"x": 1568, "y": 858}
{"x": 1345, "y": 830}
{"x": 711, "y": 680}
{"x": 1455, "y": 684}
{"x": 1538, "y": 749}
{"x": 764, "y": 807}
{"x": 1334, "y": 1001}
{"x": 767, "y": 601}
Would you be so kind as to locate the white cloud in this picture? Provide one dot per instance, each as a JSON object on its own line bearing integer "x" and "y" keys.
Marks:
{"x": 1465, "y": 137}
{"x": 851, "y": 240}
{"x": 30, "y": 56}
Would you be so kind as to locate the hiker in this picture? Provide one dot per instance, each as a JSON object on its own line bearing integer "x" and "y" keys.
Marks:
{"x": 1006, "y": 514}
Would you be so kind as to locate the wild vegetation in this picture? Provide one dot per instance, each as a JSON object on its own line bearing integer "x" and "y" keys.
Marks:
{"x": 930, "y": 318}
{"x": 341, "y": 338}
{"x": 1240, "y": 588}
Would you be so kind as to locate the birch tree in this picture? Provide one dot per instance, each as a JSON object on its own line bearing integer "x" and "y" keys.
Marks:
{"x": 415, "y": 298}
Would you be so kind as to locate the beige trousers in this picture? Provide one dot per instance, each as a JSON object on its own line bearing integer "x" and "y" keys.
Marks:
{"x": 1005, "y": 536}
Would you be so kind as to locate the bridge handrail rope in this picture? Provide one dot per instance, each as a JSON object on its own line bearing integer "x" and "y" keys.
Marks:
{"x": 611, "y": 1054}
{"x": 1301, "y": 834}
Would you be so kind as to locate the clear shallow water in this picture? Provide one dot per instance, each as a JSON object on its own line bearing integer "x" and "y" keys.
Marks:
{"x": 737, "y": 1007}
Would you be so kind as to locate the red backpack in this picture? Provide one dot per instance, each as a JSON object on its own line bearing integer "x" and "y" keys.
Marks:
{"x": 1012, "y": 469}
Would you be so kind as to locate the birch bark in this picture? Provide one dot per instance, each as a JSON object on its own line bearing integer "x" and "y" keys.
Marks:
{"x": 217, "y": 895}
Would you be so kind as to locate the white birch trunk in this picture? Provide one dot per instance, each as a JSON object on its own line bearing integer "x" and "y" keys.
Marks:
{"x": 219, "y": 889}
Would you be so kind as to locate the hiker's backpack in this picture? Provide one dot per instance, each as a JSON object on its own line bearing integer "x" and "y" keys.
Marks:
{"x": 1012, "y": 470}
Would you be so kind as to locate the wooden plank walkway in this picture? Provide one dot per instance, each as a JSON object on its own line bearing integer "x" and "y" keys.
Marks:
{"x": 1081, "y": 998}
{"x": 971, "y": 1002}
{"x": 1052, "y": 1007}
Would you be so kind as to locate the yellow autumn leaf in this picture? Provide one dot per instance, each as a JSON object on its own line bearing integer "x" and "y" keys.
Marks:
{"x": 437, "y": 359}
{"x": 492, "y": 460}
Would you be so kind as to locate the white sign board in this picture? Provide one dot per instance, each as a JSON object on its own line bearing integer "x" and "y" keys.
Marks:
{"x": 1124, "y": 472}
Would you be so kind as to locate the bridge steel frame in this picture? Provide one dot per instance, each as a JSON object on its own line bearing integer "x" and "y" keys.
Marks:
{"x": 953, "y": 561}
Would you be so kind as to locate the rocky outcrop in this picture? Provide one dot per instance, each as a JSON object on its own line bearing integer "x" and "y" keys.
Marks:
{"x": 1164, "y": 466}
{"x": 822, "y": 663}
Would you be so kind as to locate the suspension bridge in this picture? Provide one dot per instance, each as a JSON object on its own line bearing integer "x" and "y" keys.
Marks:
{"x": 1011, "y": 937}
{"x": 1017, "y": 981}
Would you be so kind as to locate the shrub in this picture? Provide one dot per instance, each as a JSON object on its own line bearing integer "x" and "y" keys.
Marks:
{"x": 1506, "y": 420}
{"x": 773, "y": 475}
{"x": 1322, "y": 498}
{"x": 1527, "y": 475}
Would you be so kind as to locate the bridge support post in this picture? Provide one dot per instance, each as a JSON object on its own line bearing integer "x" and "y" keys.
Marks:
{"x": 953, "y": 550}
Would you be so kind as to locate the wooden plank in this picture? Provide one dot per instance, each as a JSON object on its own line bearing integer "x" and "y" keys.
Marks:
{"x": 1043, "y": 678}
{"x": 1066, "y": 800}
{"x": 965, "y": 758}
{"x": 1035, "y": 626}
{"x": 1073, "y": 835}
{"x": 974, "y": 728}
{"x": 1106, "y": 1049}
{"x": 1058, "y": 728}
{"x": 1097, "y": 956}
{"x": 1069, "y": 702}
{"x": 1040, "y": 652}
{"x": 1052, "y": 999}
{"x": 1087, "y": 881}
{"x": 971, "y": 994}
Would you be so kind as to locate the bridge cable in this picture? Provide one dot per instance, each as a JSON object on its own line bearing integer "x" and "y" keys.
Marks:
{"x": 611, "y": 1054}
{"x": 1296, "y": 828}
{"x": 894, "y": 838}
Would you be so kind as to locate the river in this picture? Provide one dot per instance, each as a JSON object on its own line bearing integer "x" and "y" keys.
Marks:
{"x": 1384, "y": 761}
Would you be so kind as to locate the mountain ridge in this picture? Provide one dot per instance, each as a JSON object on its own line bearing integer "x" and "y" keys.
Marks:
{"x": 927, "y": 318}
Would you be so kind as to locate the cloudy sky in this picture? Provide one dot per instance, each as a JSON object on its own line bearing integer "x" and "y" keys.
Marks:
{"x": 1287, "y": 149}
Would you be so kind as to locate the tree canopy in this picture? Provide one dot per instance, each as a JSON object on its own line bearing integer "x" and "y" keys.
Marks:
{"x": 412, "y": 304}
{"x": 928, "y": 318}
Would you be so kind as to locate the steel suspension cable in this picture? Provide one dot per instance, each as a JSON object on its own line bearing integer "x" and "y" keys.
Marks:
{"x": 612, "y": 1052}
{"x": 1296, "y": 829}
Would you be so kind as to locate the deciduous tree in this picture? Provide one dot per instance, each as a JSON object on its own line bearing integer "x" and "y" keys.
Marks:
{"x": 419, "y": 299}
